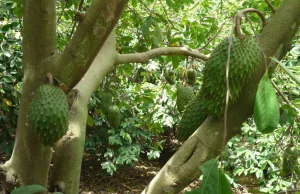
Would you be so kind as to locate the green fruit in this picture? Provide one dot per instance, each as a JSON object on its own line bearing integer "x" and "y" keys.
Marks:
{"x": 48, "y": 114}
{"x": 193, "y": 116}
{"x": 170, "y": 77}
{"x": 106, "y": 102}
{"x": 184, "y": 95}
{"x": 244, "y": 59}
{"x": 191, "y": 77}
{"x": 113, "y": 116}
{"x": 290, "y": 158}
{"x": 210, "y": 100}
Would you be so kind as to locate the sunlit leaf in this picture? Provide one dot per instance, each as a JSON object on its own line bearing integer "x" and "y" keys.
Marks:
{"x": 134, "y": 3}
{"x": 157, "y": 36}
{"x": 266, "y": 110}
{"x": 7, "y": 102}
{"x": 90, "y": 121}
{"x": 214, "y": 180}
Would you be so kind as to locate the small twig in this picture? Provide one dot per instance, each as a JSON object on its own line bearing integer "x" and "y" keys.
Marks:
{"x": 283, "y": 135}
{"x": 151, "y": 12}
{"x": 212, "y": 38}
{"x": 78, "y": 10}
{"x": 239, "y": 19}
{"x": 280, "y": 93}
{"x": 227, "y": 87}
{"x": 63, "y": 11}
{"x": 80, "y": 5}
{"x": 252, "y": 28}
{"x": 134, "y": 12}
{"x": 166, "y": 13}
{"x": 271, "y": 6}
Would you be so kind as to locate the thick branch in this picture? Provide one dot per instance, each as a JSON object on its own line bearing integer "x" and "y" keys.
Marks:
{"x": 39, "y": 33}
{"x": 146, "y": 56}
{"x": 89, "y": 37}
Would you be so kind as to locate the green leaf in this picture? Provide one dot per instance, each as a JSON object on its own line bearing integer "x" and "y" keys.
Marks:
{"x": 157, "y": 36}
{"x": 266, "y": 110}
{"x": 224, "y": 184}
{"x": 28, "y": 189}
{"x": 214, "y": 180}
{"x": 175, "y": 61}
{"x": 134, "y": 3}
{"x": 90, "y": 121}
{"x": 146, "y": 25}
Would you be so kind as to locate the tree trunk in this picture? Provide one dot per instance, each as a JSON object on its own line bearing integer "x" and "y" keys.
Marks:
{"x": 69, "y": 150}
{"x": 206, "y": 142}
{"x": 30, "y": 159}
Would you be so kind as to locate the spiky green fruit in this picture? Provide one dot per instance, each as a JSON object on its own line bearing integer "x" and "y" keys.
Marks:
{"x": 48, "y": 114}
{"x": 193, "y": 116}
{"x": 113, "y": 116}
{"x": 244, "y": 58}
{"x": 191, "y": 77}
{"x": 184, "y": 95}
{"x": 170, "y": 77}
{"x": 290, "y": 158}
{"x": 106, "y": 102}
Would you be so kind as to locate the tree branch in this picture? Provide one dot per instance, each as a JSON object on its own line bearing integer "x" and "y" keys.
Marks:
{"x": 244, "y": 12}
{"x": 271, "y": 6}
{"x": 146, "y": 56}
{"x": 88, "y": 39}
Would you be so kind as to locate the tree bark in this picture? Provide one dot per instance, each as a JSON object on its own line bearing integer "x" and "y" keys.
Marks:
{"x": 30, "y": 160}
{"x": 206, "y": 142}
{"x": 69, "y": 150}
{"x": 90, "y": 35}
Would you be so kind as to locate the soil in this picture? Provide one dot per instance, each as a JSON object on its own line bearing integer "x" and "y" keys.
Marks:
{"x": 131, "y": 180}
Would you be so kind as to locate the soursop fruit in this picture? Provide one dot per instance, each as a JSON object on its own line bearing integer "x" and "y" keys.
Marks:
{"x": 191, "y": 77}
{"x": 170, "y": 77}
{"x": 113, "y": 116}
{"x": 244, "y": 58}
{"x": 210, "y": 100}
{"x": 48, "y": 114}
{"x": 106, "y": 102}
{"x": 184, "y": 95}
{"x": 193, "y": 116}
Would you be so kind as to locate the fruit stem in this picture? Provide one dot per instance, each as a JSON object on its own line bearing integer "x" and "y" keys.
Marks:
{"x": 50, "y": 78}
{"x": 239, "y": 16}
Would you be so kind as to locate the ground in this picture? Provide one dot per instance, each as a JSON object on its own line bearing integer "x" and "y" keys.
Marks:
{"x": 131, "y": 180}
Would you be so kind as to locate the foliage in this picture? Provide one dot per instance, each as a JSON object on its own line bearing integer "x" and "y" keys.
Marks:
{"x": 259, "y": 155}
{"x": 214, "y": 180}
{"x": 266, "y": 110}
{"x": 10, "y": 73}
{"x": 146, "y": 112}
